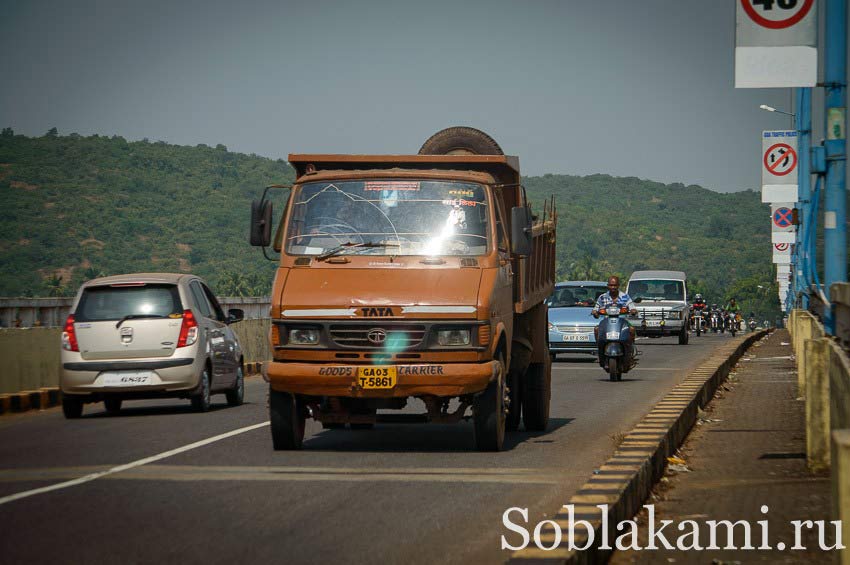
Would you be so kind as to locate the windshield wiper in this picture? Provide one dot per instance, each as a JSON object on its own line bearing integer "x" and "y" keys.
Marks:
{"x": 345, "y": 246}
{"x": 137, "y": 317}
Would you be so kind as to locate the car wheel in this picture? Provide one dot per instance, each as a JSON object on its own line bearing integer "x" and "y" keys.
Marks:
{"x": 112, "y": 405}
{"x": 201, "y": 400}
{"x": 488, "y": 413}
{"x": 287, "y": 420}
{"x": 72, "y": 406}
{"x": 236, "y": 395}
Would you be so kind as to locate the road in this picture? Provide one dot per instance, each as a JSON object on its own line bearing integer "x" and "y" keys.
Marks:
{"x": 394, "y": 494}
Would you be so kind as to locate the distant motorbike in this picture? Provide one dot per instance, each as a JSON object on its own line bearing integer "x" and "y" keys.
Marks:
{"x": 616, "y": 353}
{"x": 698, "y": 321}
{"x": 752, "y": 324}
{"x": 715, "y": 321}
{"x": 733, "y": 323}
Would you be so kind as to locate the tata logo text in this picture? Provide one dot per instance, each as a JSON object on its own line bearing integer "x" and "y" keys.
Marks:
{"x": 376, "y": 312}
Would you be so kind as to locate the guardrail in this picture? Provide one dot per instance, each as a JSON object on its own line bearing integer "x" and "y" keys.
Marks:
{"x": 52, "y": 312}
{"x": 29, "y": 357}
{"x": 824, "y": 377}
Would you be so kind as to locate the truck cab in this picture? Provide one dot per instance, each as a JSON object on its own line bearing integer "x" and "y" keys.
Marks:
{"x": 408, "y": 277}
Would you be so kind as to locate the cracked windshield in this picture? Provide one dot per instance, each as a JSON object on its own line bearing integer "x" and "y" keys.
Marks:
{"x": 388, "y": 217}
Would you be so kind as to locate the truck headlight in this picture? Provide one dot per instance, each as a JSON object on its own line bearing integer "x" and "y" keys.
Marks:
{"x": 304, "y": 336}
{"x": 453, "y": 337}
{"x": 675, "y": 315}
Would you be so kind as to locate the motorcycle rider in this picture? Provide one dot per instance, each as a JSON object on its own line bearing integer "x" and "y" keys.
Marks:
{"x": 733, "y": 311}
{"x": 698, "y": 304}
{"x": 715, "y": 317}
{"x": 621, "y": 299}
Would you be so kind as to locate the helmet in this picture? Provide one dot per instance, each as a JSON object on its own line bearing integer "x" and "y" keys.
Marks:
{"x": 698, "y": 297}
{"x": 714, "y": 306}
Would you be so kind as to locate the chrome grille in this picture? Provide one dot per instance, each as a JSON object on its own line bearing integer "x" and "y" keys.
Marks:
{"x": 397, "y": 337}
{"x": 574, "y": 329}
{"x": 654, "y": 314}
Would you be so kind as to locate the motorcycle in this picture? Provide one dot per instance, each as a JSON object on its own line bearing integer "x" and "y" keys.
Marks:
{"x": 752, "y": 324}
{"x": 715, "y": 321}
{"x": 698, "y": 321}
{"x": 733, "y": 323}
{"x": 616, "y": 353}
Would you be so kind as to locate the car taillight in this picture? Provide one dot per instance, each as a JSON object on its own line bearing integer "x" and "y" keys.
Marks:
{"x": 69, "y": 338}
{"x": 188, "y": 330}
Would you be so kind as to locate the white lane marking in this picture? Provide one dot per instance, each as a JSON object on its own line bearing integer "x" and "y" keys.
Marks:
{"x": 137, "y": 463}
{"x": 314, "y": 474}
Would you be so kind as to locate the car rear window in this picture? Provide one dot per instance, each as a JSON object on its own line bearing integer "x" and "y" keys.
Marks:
{"x": 115, "y": 302}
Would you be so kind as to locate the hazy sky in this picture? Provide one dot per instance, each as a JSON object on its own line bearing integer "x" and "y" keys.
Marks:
{"x": 572, "y": 86}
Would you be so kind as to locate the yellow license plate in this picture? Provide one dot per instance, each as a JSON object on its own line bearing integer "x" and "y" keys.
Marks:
{"x": 376, "y": 377}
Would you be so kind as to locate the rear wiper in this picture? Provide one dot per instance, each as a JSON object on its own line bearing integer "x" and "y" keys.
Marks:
{"x": 136, "y": 317}
{"x": 345, "y": 246}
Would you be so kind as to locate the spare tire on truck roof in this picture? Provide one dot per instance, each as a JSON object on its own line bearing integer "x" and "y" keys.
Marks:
{"x": 460, "y": 140}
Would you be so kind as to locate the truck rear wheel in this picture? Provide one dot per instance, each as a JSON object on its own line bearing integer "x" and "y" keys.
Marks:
{"x": 515, "y": 405}
{"x": 460, "y": 140}
{"x": 536, "y": 395}
{"x": 488, "y": 413}
{"x": 287, "y": 420}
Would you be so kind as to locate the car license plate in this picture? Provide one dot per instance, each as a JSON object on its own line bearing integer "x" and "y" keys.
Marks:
{"x": 578, "y": 337}
{"x": 376, "y": 377}
{"x": 127, "y": 378}
{"x": 653, "y": 323}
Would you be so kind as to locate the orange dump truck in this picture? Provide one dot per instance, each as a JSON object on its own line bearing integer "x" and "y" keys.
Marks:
{"x": 408, "y": 277}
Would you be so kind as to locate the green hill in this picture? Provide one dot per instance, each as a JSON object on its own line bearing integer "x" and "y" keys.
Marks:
{"x": 80, "y": 206}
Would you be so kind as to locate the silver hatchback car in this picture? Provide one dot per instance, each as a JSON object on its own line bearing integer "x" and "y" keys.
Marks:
{"x": 149, "y": 335}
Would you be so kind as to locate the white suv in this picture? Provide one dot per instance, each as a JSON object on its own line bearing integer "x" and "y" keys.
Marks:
{"x": 148, "y": 335}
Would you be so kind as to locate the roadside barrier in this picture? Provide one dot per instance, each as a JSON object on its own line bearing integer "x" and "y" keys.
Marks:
{"x": 30, "y": 362}
{"x": 825, "y": 366}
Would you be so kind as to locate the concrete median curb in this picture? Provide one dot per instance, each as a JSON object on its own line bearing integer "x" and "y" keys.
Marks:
{"x": 624, "y": 482}
{"x": 48, "y": 397}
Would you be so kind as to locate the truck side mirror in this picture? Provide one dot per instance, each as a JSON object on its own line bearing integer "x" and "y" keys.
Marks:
{"x": 520, "y": 230}
{"x": 261, "y": 223}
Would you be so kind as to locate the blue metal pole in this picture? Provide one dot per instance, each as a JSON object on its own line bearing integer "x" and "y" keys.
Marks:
{"x": 835, "y": 205}
{"x": 802, "y": 251}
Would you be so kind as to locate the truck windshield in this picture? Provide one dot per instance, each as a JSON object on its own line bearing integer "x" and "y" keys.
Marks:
{"x": 657, "y": 290}
{"x": 398, "y": 217}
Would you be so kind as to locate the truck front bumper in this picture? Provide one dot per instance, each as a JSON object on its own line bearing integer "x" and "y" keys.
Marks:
{"x": 315, "y": 379}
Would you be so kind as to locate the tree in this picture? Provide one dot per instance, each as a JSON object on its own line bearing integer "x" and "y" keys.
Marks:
{"x": 7, "y": 132}
{"x": 55, "y": 285}
{"x": 52, "y": 132}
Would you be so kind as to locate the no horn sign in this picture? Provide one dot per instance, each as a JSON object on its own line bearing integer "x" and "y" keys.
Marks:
{"x": 780, "y": 159}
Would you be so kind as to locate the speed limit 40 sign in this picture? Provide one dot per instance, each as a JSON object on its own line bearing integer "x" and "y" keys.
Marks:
{"x": 776, "y": 43}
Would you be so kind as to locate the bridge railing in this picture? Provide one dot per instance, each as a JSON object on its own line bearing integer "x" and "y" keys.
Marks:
{"x": 823, "y": 366}
{"x": 52, "y": 312}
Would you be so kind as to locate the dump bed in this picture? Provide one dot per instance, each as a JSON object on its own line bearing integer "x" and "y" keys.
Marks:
{"x": 534, "y": 275}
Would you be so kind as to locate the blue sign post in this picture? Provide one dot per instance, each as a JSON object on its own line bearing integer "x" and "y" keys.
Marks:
{"x": 835, "y": 204}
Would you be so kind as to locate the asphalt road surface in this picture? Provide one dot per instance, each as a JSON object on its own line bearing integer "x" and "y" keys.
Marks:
{"x": 395, "y": 494}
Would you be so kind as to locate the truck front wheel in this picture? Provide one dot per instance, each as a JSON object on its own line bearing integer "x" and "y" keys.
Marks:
{"x": 536, "y": 396}
{"x": 683, "y": 335}
{"x": 287, "y": 420}
{"x": 488, "y": 413}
